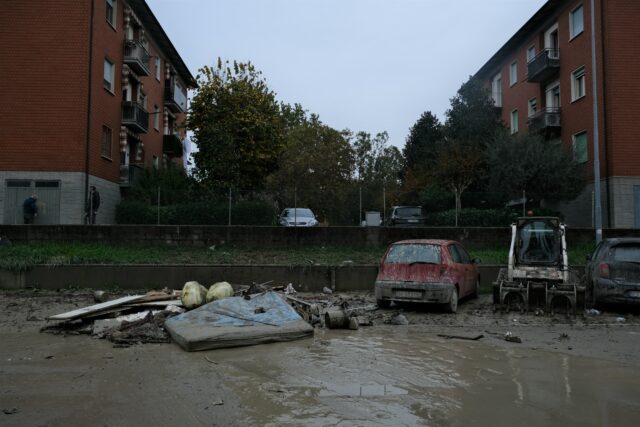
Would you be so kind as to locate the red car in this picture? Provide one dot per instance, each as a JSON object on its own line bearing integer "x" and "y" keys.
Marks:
{"x": 431, "y": 271}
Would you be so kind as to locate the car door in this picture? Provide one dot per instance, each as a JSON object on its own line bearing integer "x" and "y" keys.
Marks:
{"x": 459, "y": 271}
{"x": 469, "y": 270}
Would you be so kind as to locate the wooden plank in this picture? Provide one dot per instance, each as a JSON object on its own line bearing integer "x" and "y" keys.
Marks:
{"x": 81, "y": 312}
{"x": 143, "y": 303}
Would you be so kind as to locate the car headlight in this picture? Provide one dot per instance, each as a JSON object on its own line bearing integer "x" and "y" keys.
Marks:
{"x": 312, "y": 222}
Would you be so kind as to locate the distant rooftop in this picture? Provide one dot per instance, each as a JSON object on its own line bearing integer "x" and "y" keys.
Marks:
{"x": 522, "y": 35}
{"x": 151, "y": 24}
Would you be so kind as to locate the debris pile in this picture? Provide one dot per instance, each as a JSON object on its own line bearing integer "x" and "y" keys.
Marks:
{"x": 223, "y": 315}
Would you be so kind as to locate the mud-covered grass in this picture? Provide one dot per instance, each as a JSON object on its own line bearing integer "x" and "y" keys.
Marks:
{"x": 21, "y": 256}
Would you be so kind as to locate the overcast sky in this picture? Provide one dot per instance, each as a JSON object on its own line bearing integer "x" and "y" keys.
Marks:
{"x": 369, "y": 65}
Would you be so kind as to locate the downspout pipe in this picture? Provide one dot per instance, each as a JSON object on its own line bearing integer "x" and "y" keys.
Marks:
{"x": 604, "y": 112}
{"x": 89, "y": 100}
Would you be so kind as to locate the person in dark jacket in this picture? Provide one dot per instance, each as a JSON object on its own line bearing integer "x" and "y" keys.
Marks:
{"x": 30, "y": 209}
{"x": 93, "y": 203}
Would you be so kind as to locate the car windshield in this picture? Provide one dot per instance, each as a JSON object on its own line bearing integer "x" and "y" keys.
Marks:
{"x": 301, "y": 212}
{"x": 539, "y": 243}
{"x": 409, "y": 211}
{"x": 626, "y": 253}
{"x": 413, "y": 253}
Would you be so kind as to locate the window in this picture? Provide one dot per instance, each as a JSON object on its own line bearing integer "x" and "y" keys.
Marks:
{"x": 513, "y": 73}
{"x": 156, "y": 162}
{"x": 496, "y": 90}
{"x": 158, "y": 68}
{"x": 105, "y": 146}
{"x": 577, "y": 84}
{"x": 576, "y": 22}
{"x": 531, "y": 53}
{"x": 109, "y": 75}
{"x": 580, "y": 147}
{"x": 514, "y": 121}
{"x": 111, "y": 12}
{"x": 156, "y": 117}
{"x": 533, "y": 107}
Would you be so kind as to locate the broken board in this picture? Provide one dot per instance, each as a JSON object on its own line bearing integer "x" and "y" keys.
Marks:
{"x": 93, "y": 309}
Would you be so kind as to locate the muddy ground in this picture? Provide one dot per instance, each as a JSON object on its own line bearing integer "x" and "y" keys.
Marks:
{"x": 580, "y": 370}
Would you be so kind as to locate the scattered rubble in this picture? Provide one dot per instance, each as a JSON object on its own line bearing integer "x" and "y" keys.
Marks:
{"x": 512, "y": 338}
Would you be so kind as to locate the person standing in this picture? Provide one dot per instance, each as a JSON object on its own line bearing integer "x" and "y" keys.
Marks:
{"x": 93, "y": 203}
{"x": 30, "y": 209}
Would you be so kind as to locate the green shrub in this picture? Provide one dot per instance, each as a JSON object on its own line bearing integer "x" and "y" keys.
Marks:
{"x": 196, "y": 213}
{"x": 471, "y": 217}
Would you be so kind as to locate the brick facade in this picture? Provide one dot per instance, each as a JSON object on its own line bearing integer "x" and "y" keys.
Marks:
{"x": 617, "y": 62}
{"x": 48, "y": 51}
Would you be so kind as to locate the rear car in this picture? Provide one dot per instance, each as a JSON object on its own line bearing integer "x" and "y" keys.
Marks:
{"x": 426, "y": 271}
{"x": 406, "y": 216}
{"x": 612, "y": 272}
{"x": 297, "y": 217}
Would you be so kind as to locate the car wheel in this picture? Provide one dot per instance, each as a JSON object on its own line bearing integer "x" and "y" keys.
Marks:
{"x": 383, "y": 303}
{"x": 476, "y": 290}
{"x": 452, "y": 305}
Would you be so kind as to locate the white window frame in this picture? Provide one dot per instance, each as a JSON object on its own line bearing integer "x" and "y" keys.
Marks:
{"x": 513, "y": 73}
{"x": 106, "y": 150}
{"x": 514, "y": 121}
{"x": 531, "y": 53}
{"x": 158, "y": 66}
{"x": 156, "y": 117}
{"x": 578, "y": 84}
{"x": 572, "y": 31}
{"x": 496, "y": 90}
{"x": 114, "y": 8}
{"x": 109, "y": 84}
{"x": 574, "y": 139}
{"x": 532, "y": 107}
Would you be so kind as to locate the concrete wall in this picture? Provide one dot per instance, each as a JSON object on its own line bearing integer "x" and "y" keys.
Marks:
{"x": 255, "y": 236}
{"x": 71, "y": 195}
{"x": 304, "y": 278}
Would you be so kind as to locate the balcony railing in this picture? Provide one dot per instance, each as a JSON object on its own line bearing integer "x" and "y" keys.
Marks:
{"x": 172, "y": 145}
{"x": 136, "y": 57}
{"x": 544, "y": 66}
{"x": 545, "y": 120}
{"x": 135, "y": 117}
{"x": 175, "y": 97}
{"x": 129, "y": 173}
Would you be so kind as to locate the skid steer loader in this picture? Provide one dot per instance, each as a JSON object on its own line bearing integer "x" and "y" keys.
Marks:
{"x": 538, "y": 274}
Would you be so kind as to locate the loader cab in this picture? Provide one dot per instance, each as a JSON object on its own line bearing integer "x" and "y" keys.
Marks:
{"x": 539, "y": 241}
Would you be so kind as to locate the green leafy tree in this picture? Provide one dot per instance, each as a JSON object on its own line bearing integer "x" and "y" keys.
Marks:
{"x": 457, "y": 168}
{"x": 542, "y": 169}
{"x": 314, "y": 170}
{"x": 237, "y": 126}
{"x": 421, "y": 146}
{"x": 473, "y": 118}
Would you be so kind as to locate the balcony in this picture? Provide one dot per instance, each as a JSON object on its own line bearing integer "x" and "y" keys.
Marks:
{"x": 545, "y": 121}
{"x": 175, "y": 97}
{"x": 136, "y": 57}
{"x": 129, "y": 173}
{"x": 544, "y": 66}
{"x": 135, "y": 117}
{"x": 171, "y": 145}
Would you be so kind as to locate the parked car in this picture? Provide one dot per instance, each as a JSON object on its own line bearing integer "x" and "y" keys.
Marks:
{"x": 429, "y": 271}
{"x": 297, "y": 217}
{"x": 612, "y": 272}
{"x": 406, "y": 216}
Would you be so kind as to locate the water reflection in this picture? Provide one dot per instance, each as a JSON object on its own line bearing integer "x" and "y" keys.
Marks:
{"x": 400, "y": 376}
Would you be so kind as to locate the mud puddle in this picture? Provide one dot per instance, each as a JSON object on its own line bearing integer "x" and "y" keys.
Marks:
{"x": 404, "y": 377}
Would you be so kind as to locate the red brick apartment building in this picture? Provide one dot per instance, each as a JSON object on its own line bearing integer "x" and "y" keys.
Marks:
{"x": 541, "y": 79}
{"x": 93, "y": 91}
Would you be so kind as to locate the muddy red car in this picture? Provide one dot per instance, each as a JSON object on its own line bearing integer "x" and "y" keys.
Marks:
{"x": 427, "y": 271}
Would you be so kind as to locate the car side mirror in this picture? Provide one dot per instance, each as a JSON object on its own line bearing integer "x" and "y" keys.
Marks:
{"x": 476, "y": 260}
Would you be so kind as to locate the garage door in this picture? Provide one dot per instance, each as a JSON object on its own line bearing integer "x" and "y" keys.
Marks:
{"x": 48, "y": 193}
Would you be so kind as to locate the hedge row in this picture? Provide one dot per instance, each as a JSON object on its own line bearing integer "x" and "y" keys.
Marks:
{"x": 471, "y": 217}
{"x": 197, "y": 213}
